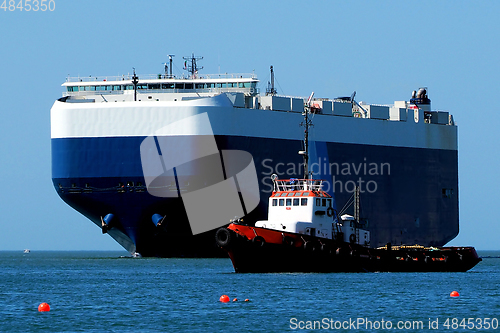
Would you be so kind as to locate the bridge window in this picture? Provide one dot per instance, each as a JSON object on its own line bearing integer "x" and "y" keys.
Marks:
{"x": 129, "y": 87}
{"x": 188, "y": 86}
{"x": 179, "y": 86}
{"x": 318, "y": 202}
{"x": 199, "y": 85}
{"x": 324, "y": 202}
{"x": 275, "y": 202}
{"x": 210, "y": 85}
{"x": 303, "y": 201}
{"x": 282, "y": 202}
{"x": 167, "y": 86}
{"x": 296, "y": 202}
{"x": 117, "y": 87}
{"x": 288, "y": 202}
{"x": 154, "y": 86}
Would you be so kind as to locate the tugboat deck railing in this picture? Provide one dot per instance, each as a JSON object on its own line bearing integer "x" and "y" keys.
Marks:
{"x": 298, "y": 185}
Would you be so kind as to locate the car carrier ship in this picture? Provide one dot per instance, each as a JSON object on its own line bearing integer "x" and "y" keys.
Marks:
{"x": 403, "y": 157}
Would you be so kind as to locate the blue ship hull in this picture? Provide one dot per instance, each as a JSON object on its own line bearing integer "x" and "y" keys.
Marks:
{"x": 413, "y": 201}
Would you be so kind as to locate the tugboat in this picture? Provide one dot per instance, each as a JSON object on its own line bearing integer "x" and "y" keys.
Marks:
{"x": 304, "y": 233}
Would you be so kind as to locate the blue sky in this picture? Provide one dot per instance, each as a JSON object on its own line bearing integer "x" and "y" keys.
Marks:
{"x": 381, "y": 49}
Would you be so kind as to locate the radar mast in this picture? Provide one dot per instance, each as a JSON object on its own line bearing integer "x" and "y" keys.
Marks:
{"x": 192, "y": 66}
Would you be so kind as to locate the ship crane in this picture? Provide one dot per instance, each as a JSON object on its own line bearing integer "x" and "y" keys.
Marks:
{"x": 353, "y": 101}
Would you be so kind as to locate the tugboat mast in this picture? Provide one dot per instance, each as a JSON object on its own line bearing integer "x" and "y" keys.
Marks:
{"x": 306, "y": 123}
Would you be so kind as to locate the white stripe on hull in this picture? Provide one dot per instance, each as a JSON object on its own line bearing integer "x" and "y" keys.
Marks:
{"x": 125, "y": 119}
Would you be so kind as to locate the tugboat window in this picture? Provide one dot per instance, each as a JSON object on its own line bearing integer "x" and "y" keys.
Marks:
{"x": 324, "y": 202}
{"x": 275, "y": 202}
{"x": 318, "y": 202}
{"x": 303, "y": 201}
{"x": 288, "y": 202}
{"x": 282, "y": 202}
{"x": 296, "y": 202}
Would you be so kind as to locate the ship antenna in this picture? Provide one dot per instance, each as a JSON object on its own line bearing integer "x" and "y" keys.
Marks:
{"x": 166, "y": 66}
{"x": 271, "y": 91}
{"x": 170, "y": 56}
{"x": 193, "y": 68}
{"x": 134, "y": 82}
{"x": 306, "y": 123}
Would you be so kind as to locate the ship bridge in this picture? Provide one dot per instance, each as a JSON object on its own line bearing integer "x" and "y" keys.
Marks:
{"x": 159, "y": 87}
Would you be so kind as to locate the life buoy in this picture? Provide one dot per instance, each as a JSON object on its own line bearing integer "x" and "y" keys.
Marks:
{"x": 352, "y": 238}
{"x": 329, "y": 212}
{"x": 223, "y": 237}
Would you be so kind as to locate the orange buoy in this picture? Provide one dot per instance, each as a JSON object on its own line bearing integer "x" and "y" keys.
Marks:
{"x": 454, "y": 294}
{"x": 43, "y": 307}
{"x": 235, "y": 300}
{"x": 224, "y": 298}
{"x": 247, "y": 300}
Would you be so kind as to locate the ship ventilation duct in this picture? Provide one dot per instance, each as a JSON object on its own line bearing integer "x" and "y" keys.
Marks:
{"x": 157, "y": 219}
{"x": 106, "y": 222}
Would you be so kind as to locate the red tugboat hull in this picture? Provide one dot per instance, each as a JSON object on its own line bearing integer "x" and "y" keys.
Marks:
{"x": 261, "y": 250}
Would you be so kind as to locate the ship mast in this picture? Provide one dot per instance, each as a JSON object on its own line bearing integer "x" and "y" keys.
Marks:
{"x": 135, "y": 80}
{"x": 192, "y": 68}
{"x": 271, "y": 91}
{"x": 170, "y": 56}
{"x": 306, "y": 123}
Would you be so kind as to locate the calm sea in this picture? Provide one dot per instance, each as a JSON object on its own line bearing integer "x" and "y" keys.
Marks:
{"x": 105, "y": 292}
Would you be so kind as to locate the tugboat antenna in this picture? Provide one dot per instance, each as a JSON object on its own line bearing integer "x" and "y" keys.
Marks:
{"x": 192, "y": 68}
{"x": 306, "y": 123}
